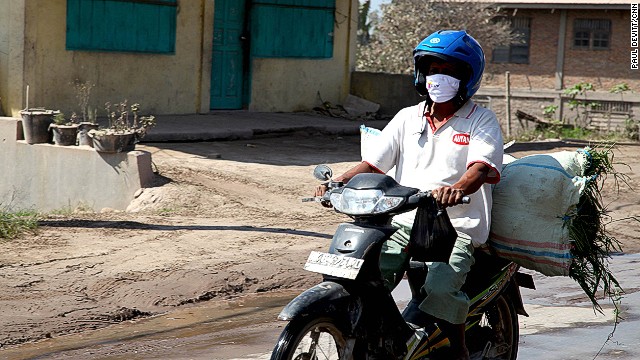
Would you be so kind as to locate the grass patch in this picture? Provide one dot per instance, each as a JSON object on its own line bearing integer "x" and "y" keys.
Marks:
{"x": 13, "y": 224}
{"x": 166, "y": 211}
{"x": 575, "y": 133}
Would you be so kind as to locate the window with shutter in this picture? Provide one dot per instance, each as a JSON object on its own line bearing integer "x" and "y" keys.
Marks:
{"x": 292, "y": 28}
{"x": 147, "y": 26}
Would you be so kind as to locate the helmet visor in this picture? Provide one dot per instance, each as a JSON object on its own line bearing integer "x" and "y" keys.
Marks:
{"x": 424, "y": 59}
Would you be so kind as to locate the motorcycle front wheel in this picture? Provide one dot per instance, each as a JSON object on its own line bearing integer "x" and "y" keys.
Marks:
{"x": 311, "y": 338}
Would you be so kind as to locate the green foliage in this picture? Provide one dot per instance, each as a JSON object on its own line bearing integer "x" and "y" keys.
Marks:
{"x": 579, "y": 89}
{"x": 557, "y": 130}
{"x": 619, "y": 88}
{"x": 581, "y": 105}
{"x": 59, "y": 119}
{"x": 592, "y": 244}
{"x": 549, "y": 111}
{"x": 13, "y": 224}
{"x": 631, "y": 129}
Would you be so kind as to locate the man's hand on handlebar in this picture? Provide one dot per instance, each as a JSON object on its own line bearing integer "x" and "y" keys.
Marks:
{"x": 320, "y": 190}
{"x": 446, "y": 196}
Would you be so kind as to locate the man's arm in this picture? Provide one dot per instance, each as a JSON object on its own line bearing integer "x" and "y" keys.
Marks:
{"x": 470, "y": 182}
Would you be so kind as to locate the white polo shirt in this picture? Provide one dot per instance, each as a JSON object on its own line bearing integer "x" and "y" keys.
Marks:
{"x": 426, "y": 159}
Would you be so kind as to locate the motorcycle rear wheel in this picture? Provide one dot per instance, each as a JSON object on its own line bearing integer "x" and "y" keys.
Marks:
{"x": 311, "y": 338}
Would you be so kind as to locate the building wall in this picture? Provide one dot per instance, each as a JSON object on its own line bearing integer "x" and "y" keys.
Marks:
{"x": 602, "y": 68}
{"x": 4, "y": 48}
{"x": 11, "y": 54}
{"x": 540, "y": 72}
{"x": 162, "y": 84}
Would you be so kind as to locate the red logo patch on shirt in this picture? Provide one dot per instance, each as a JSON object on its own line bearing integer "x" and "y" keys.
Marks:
{"x": 461, "y": 139}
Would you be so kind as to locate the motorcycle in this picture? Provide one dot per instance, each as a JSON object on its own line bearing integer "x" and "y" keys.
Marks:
{"x": 351, "y": 314}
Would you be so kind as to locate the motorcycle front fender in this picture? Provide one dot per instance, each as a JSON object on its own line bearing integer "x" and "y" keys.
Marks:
{"x": 327, "y": 298}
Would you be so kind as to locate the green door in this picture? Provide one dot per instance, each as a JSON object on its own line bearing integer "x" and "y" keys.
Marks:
{"x": 227, "y": 60}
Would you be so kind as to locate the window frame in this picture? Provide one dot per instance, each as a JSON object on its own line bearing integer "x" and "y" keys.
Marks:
{"x": 521, "y": 24}
{"x": 591, "y": 27}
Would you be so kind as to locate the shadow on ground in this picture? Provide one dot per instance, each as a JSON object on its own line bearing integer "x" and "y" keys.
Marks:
{"x": 134, "y": 225}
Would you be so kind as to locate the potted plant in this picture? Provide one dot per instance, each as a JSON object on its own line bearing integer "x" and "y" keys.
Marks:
{"x": 35, "y": 124}
{"x": 122, "y": 133}
{"x": 88, "y": 121}
{"x": 64, "y": 132}
{"x": 83, "y": 131}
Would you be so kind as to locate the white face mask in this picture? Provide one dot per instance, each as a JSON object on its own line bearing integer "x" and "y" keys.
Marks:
{"x": 442, "y": 88}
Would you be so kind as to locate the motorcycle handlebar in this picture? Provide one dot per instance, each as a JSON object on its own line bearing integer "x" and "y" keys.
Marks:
{"x": 415, "y": 198}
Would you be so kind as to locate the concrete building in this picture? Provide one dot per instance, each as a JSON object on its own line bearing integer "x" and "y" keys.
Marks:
{"x": 176, "y": 56}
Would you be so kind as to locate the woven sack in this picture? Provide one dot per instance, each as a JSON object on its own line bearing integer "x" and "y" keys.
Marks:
{"x": 531, "y": 211}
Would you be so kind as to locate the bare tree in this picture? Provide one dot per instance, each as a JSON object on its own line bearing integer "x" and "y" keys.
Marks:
{"x": 405, "y": 23}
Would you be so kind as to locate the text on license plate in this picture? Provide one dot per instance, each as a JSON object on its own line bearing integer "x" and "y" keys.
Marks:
{"x": 334, "y": 265}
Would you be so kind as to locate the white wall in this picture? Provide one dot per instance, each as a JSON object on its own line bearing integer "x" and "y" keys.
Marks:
{"x": 47, "y": 177}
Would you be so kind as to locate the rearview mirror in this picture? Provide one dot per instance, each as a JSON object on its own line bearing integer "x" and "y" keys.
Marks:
{"x": 322, "y": 172}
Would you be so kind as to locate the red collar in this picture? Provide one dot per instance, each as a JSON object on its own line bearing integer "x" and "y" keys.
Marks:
{"x": 430, "y": 120}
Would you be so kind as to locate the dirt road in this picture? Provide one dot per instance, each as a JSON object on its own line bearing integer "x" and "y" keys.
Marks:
{"x": 224, "y": 219}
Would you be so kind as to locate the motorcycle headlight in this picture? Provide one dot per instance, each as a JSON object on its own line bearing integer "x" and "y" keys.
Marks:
{"x": 364, "y": 202}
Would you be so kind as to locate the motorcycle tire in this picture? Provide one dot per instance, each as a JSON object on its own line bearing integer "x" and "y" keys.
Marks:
{"x": 311, "y": 338}
{"x": 502, "y": 333}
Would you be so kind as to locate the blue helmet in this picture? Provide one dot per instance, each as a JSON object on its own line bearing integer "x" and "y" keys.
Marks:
{"x": 451, "y": 46}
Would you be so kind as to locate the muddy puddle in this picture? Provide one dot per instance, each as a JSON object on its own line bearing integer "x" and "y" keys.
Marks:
{"x": 205, "y": 331}
{"x": 244, "y": 328}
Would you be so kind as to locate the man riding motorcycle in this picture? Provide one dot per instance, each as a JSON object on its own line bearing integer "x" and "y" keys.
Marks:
{"x": 451, "y": 146}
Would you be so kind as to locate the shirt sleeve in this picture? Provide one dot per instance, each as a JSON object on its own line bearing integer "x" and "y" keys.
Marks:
{"x": 384, "y": 152}
{"x": 486, "y": 145}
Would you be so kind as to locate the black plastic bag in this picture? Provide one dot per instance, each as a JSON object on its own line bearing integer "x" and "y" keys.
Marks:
{"x": 432, "y": 235}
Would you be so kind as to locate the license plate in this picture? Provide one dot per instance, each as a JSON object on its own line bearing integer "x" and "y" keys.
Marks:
{"x": 334, "y": 265}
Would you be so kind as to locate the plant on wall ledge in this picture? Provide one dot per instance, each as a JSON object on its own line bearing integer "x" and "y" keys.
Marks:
{"x": 126, "y": 128}
{"x": 64, "y": 131}
{"x": 87, "y": 122}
